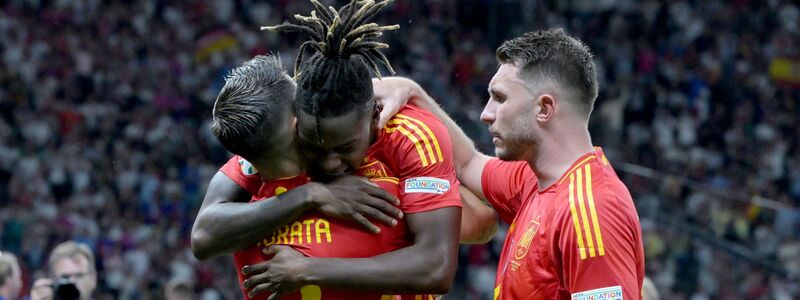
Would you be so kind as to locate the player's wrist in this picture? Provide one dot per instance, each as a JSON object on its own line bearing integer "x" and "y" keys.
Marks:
{"x": 313, "y": 194}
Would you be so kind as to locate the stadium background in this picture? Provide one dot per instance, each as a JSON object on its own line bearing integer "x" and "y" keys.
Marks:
{"x": 105, "y": 106}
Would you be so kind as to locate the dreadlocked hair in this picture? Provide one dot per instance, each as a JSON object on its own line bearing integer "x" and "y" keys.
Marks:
{"x": 336, "y": 79}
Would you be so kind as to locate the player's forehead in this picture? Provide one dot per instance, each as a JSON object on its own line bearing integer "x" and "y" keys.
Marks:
{"x": 506, "y": 79}
{"x": 329, "y": 132}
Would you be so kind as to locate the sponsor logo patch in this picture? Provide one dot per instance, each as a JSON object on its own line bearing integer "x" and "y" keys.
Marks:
{"x": 430, "y": 185}
{"x": 606, "y": 293}
{"x": 247, "y": 167}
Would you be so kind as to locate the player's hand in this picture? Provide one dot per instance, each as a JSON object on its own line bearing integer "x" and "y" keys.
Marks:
{"x": 42, "y": 289}
{"x": 356, "y": 198}
{"x": 280, "y": 275}
{"x": 391, "y": 93}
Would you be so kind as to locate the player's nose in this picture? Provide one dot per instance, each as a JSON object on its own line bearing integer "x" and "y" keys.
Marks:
{"x": 488, "y": 113}
{"x": 332, "y": 164}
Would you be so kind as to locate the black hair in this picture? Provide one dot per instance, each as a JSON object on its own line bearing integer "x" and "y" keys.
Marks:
{"x": 336, "y": 79}
{"x": 255, "y": 100}
{"x": 555, "y": 55}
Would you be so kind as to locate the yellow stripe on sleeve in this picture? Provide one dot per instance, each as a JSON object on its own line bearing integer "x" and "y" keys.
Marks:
{"x": 582, "y": 206}
{"x": 575, "y": 215}
{"x": 413, "y": 139}
{"x": 595, "y": 220}
{"x": 419, "y": 132}
{"x": 427, "y": 130}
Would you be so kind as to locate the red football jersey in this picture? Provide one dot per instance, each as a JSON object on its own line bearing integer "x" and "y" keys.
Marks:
{"x": 578, "y": 239}
{"x": 411, "y": 159}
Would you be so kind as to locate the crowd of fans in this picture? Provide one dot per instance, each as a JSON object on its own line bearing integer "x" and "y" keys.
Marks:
{"x": 105, "y": 106}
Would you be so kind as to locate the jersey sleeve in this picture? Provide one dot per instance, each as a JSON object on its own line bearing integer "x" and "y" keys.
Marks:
{"x": 424, "y": 160}
{"x": 502, "y": 183}
{"x": 599, "y": 243}
{"x": 243, "y": 173}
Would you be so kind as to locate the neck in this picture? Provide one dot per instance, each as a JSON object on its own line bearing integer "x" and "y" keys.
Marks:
{"x": 271, "y": 169}
{"x": 557, "y": 152}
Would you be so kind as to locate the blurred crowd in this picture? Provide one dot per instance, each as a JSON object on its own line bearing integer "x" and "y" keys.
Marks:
{"x": 105, "y": 107}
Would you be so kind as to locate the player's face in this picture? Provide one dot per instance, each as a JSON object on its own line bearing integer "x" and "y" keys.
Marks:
{"x": 340, "y": 145}
{"x": 77, "y": 269}
{"x": 510, "y": 114}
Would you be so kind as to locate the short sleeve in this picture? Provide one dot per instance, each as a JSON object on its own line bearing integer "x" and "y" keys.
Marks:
{"x": 503, "y": 184}
{"x": 243, "y": 173}
{"x": 599, "y": 243}
{"x": 424, "y": 162}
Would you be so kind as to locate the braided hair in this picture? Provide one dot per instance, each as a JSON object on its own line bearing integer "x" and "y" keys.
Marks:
{"x": 336, "y": 79}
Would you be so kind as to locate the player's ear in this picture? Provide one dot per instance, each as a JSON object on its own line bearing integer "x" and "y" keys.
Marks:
{"x": 547, "y": 107}
{"x": 376, "y": 113}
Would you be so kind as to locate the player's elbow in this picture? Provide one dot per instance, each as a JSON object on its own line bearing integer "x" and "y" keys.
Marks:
{"x": 201, "y": 244}
{"x": 439, "y": 278}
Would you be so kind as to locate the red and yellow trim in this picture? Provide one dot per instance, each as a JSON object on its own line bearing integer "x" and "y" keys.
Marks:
{"x": 420, "y": 134}
{"x": 589, "y": 235}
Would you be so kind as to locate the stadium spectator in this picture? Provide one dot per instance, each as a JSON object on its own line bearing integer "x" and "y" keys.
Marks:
{"x": 10, "y": 276}
{"x": 70, "y": 263}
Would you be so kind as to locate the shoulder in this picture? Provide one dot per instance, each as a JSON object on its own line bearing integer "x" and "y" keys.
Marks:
{"x": 594, "y": 189}
{"x": 419, "y": 134}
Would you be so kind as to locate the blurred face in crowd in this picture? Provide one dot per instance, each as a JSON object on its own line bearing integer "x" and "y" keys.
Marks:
{"x": 510, "y": 114}
{"x": 13, "y": 283}
{"x": 341, "y": 143}
{"x": 77, "y": 269}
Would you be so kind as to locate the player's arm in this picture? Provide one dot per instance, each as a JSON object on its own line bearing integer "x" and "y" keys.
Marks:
{"x": 478, "y": 219}
{"x": 394, "y": 92}
{"x": 598, "y": 246}
{"x": 427, "y": 266}
{"x": 228, "y": 222}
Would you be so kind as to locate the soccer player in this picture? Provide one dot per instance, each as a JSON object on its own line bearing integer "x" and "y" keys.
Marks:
{"x": 227, "y": 222}
{"x": 574, "y": 232}
{"x": 336, "y": 129}
{"x": 251, "y": 119}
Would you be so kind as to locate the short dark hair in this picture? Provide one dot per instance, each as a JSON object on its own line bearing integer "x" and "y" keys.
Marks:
{"x": 336, "y": 79}
{"x": 554, "y": 55}
{"x": 252, "y": 105}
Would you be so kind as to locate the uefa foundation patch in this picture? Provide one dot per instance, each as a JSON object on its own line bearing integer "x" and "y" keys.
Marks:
{"x": 430, "y": 185}
{"x": 606, "y": 293}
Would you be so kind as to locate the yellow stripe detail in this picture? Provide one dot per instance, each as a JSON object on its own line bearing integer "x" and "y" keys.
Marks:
{"x": 413, "y": 139}
{"x": 496, "y": 292}
{"x": 578, "y": 165}
{"x": 419, "y": 132}
{"x": 429, "y": 131}
{"x": 586, "y": 229}
{"x": 595, "y": 222}
{"x": 575, "y": 216}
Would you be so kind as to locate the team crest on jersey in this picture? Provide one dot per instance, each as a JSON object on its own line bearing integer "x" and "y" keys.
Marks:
{"x": 247, "y": 168}
{"x": 430, "y": 185}
{"x": 606, "y": 293}
{"x": 525, "y": 242}
{"x": 373, "y": 169}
